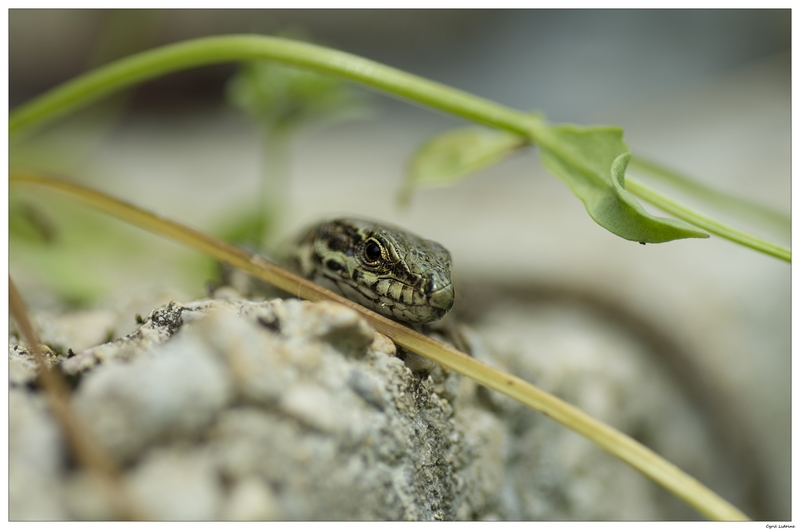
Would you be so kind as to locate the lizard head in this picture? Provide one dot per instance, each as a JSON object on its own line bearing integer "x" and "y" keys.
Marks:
{"x": 387, "y": 269}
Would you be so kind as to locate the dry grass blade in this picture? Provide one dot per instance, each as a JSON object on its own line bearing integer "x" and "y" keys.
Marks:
{"x": 93, "y": 458}
{"x": 618, "y": 444}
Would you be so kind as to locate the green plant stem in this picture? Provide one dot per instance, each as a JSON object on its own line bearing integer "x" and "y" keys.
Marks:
{"x": 715, "y": 227}
{"x": 213, "y": 50}
{"x": 616, "y": 443}
{"x": 726, "y": 201}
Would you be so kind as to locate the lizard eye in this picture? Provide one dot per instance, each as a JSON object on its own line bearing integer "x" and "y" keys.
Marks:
{"x": 372, "y": 252}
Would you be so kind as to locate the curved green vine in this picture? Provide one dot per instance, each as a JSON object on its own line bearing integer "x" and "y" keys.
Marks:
{"x": 213, "y": 50}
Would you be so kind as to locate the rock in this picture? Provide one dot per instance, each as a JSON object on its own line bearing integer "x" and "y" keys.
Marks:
{"x": 77, "y": 331}
{"x": 329, "y": 322}
{"x": 251, "y": 500}
{"x": 171, "y": 393}
{"x": 22, "y": 368}
{"x": 36, "y": 462}
{"x": 290, "y": 410}
{"x": 159, "y": 326}
{"x": 176, "y": 484}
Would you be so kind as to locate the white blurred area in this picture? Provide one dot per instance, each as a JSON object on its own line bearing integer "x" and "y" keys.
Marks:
{"x": 705, "y": 92}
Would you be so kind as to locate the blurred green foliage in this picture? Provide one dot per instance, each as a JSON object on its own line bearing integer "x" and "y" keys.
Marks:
{"x": 280, "y": 100}
{"x": 280, "y": 97}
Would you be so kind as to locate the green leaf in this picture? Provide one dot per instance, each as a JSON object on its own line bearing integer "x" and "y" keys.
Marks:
{"x": 592, "y": 162}
{"x": 449, "y": 157}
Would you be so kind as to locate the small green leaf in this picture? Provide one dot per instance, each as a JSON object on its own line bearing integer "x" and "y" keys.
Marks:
{"x": 592, "y": 162}
{"x": 449, "y": 157}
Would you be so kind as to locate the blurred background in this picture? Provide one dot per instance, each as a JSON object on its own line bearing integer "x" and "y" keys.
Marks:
{"x": 706, "y": 92}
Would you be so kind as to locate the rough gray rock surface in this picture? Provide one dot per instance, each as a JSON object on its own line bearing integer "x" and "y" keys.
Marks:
{"x": 274, "y": 410}
{"x": 294, "y": 410}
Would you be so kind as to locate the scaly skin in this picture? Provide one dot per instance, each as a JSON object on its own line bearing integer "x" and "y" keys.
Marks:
{"x": 382, "y": 267}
